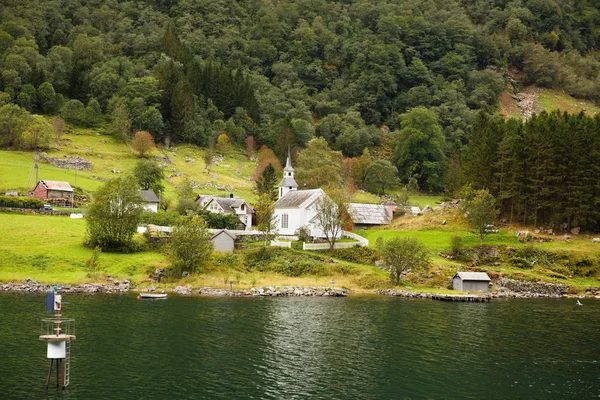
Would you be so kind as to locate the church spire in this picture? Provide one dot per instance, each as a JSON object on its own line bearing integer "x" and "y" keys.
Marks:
{"x": 288, "y": 182}
{"x": 288, "y": 163}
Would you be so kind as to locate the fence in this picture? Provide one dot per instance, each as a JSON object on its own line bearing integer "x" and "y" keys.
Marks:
{"x": 361, "y": 240}
{"x": 325, "y": 246}
{"x": 277, "y": 243}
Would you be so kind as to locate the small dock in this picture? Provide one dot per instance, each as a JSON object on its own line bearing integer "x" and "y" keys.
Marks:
{"x": 462, "y": 297}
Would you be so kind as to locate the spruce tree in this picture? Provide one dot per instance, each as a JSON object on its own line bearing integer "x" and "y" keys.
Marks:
{"x": 265, "y": 185}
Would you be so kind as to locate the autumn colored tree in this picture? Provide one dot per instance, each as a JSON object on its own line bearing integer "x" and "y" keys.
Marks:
{"x": 223, "y": 143}
{"x": 250, "y": 146}
{"x": 59, "y": 127}
{"x": 265, "y": 157}
{"x": 143, "y": 143}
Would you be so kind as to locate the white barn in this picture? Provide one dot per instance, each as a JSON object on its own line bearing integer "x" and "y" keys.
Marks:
{"x": 296, "y": 208}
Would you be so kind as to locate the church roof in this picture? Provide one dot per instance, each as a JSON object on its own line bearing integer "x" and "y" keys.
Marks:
{"x": 287, "y": 182}
{"x": 296, "y": 198}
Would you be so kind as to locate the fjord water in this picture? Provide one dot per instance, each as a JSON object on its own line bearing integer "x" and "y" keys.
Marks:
{"x": 296, "y": 348}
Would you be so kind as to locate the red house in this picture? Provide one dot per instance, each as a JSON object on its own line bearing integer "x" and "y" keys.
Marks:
{"x": 52, "y": 190}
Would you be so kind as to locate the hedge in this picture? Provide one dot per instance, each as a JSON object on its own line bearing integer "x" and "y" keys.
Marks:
{"x": 20, "y": 202}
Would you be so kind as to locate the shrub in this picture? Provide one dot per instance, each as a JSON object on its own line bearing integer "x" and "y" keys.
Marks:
{"x": 357, "y": 254}
{"x": 161, "y": 218}
{"x": 456, "y": 245}
{"x": 303, "y": 234}
{"x": 20, "y": 202}
{"x": 227, "y": 260}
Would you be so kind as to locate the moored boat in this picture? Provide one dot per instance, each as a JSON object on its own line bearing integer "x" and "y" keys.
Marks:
{"x": 153, "y": 295}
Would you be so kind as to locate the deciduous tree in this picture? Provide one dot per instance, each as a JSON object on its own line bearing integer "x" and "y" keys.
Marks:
{"x": 403, "y": 254}
{"x": 143, "y": 143}
{"x": 481, "y": 212}
{"x": 149, "y": 176}
{"x": 190, "y": 246}
{"x": 114, "y": 214}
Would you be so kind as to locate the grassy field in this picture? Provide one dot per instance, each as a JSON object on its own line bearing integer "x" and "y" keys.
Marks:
{"x": 550, "y": 100}
{"x": 439, "y": 241}
{"x": 50, "y": 249}
{"x": 107, "y": 154}
{"x": 545, "y": 100}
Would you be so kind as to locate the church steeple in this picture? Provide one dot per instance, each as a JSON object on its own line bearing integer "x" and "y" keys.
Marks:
{"x": 287, "y": 183}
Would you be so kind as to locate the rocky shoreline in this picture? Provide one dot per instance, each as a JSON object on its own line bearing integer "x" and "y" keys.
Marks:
{"x": 124, "y": 287}
{"x": 501, "y": 289}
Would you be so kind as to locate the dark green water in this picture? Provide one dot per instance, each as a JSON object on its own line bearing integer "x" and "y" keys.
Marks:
{"x": 298, "y": 348}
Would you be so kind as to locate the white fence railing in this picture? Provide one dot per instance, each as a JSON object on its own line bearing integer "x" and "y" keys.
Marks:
{"x": 325, "y": 246}
{"x": 277, "y": 243}
{"x": 349, "y": 235}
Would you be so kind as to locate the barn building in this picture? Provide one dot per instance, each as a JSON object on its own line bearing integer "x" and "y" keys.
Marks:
{"x": 365, "y": 216}
{"x": 52, "y": 190}
{"x": 471, "y": 282}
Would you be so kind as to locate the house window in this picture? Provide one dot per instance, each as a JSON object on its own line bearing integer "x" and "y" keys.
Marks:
{"x": 284, "y": 221}
{"x": 242, "y": 207}
{"x": 213, "y": 207}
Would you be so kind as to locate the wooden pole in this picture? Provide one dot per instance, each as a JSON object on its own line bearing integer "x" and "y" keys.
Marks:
{"x": 49, "y": 373}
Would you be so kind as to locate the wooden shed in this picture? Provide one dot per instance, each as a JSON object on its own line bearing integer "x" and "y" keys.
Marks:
{"x": 365, "y": 216}
{"x": 223, "y": 240}
{"x": 52, "y": 190}
{"x": 471, "y": 282}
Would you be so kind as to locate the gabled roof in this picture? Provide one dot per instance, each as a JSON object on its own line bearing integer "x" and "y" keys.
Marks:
{"x": 223, "y": 231}
{"x": 372, "y": 214}
{"x": 298, "y": 198}
{"x": 288, "y": 181}
{"x": 228, "y": 204}
{"x": 472, "y": 276}
{"x": 56, "y": 185}
{"x": 149, "y": 196}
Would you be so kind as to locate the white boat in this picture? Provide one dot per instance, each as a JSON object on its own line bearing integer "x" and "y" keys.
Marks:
{"x": 153, "y": 295}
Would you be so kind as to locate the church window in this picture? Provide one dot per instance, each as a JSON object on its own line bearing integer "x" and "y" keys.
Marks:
{"x": 284, "y": 221}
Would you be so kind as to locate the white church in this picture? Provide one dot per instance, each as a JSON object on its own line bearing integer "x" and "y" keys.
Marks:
{"x": 296, "y": 208}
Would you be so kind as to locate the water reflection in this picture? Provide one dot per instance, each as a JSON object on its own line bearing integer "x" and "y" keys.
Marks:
{"x": 262, "y": 348}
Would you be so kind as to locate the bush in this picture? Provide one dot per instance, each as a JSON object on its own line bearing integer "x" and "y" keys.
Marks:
{"x": 227, "y": 260}
{"x": 303, "y": 234}
{"x": 161, "y": 218}
{"x": 456, "y": 245}
{"x": 20, "y": 202}
{"x": 361, "y": 255}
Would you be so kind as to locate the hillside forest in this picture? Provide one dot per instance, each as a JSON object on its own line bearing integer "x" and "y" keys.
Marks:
{"x": 405, "y": 89}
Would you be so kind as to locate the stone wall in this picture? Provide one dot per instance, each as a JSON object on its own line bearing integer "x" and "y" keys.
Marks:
{"x": 514, "y": 288}
{"x": 75, "y": 162}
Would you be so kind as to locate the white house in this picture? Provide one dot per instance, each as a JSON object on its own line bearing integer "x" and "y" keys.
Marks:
{"x": 150, "y": 200}
{"x": 296, "y": 208}
{"x": 228, "y": 205}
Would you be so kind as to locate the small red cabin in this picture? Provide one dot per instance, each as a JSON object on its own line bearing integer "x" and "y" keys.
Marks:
{"x": 52, "y": 190}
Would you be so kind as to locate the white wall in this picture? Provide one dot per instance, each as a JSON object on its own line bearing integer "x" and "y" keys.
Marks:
{"x": 152, "y": 207}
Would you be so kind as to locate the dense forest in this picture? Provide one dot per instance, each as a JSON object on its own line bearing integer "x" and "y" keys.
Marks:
{"x": 413, "y": 81}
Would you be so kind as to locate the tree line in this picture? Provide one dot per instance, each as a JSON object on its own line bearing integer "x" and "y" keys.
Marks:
{"x": 544, "y": 171}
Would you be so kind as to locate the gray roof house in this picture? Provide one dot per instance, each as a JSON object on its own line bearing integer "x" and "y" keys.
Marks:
{"x": 367, "y": 215}
{"x": 228, "y": 205}
{"x": 223, "y": 240}
{"x": 471, "y": 282}
{"x": 150, "y": 200}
